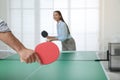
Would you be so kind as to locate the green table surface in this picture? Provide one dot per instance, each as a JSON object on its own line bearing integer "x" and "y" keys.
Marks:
{"x": 74, "y": 65}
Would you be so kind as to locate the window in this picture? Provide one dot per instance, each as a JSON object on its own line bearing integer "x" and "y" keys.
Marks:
{"x": 29, "y": 17}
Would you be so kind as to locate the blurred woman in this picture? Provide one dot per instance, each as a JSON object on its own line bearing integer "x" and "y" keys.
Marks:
{"x": 68, "y": 43}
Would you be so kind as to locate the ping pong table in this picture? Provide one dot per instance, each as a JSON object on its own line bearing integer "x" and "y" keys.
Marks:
{"x": 71, "y": 65}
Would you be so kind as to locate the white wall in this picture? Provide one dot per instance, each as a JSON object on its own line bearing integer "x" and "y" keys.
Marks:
{"x": 110, "y": 19}
{"x": 109, "y": 25}
{"x": 3, "y": 9}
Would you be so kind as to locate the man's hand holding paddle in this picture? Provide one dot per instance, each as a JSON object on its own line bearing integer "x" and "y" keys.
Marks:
{"x": 28, "y": 56}
{"x": 44, "y": 53}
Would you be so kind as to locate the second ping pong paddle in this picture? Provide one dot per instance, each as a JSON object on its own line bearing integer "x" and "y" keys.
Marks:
{"x": 47, "y": 52}
{"x": 44, "y": 34}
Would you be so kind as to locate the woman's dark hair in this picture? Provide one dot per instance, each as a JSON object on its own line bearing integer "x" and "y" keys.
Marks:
{"x": 62, "y": 19}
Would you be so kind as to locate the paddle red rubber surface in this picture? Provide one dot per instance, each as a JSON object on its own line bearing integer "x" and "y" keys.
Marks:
{"x": 48, "y": 52}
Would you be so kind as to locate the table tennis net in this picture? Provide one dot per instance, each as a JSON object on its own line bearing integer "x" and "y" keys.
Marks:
{"x": 64, "y": 56}
{"x": 78, "y": 56}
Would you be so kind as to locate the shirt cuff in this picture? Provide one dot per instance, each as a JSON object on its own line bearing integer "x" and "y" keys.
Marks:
{"x": 4, "y": 27}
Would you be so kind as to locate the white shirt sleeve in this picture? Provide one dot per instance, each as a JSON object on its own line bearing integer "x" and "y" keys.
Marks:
{"x": 3, "y": 26}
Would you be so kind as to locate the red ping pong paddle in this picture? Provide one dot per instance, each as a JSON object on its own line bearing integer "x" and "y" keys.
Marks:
{"x": 47, "y": 52}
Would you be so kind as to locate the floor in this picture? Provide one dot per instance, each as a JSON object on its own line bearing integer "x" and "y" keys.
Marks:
{"x": 112, "y": 75}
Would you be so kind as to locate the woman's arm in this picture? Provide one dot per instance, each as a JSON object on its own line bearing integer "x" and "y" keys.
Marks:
{"x": 52, "y": 38}
{"x": 62, "y": 33}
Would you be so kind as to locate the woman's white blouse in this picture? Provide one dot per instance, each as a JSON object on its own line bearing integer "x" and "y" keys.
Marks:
{"x": 62, "y": 31}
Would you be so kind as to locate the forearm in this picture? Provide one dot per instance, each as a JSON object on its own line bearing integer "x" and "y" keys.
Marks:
{"x": 12, "y": 41}
{"x": 26, "y": 55}
{"x": 52, "y": 38}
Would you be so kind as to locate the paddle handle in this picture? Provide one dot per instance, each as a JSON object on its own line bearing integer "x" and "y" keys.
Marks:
{"x": 37, "y": 59}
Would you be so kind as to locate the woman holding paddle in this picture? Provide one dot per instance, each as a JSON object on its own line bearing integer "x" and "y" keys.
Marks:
{"x": 68, "y": 43}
